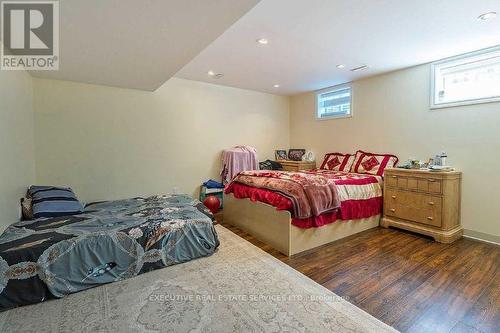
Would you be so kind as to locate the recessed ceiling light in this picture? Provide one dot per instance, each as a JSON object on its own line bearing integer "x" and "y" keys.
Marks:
{"x": 215, "y": 75}
{"x": 487, "y": 16}
{"x": 263, "y": 41}
{"x": 340, "y": 66}
{"x": 360, "y": 68}
{"x": 276, "y": 86}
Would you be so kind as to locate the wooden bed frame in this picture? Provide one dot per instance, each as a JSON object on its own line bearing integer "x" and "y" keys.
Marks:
{"x": 275, "y": 227}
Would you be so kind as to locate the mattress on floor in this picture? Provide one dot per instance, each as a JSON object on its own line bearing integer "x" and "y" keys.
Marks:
{"x": 111, "y": 241}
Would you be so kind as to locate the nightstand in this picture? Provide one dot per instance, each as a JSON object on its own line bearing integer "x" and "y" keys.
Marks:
{"x": 425, "y": 202}
{"x": 297, "y": 165}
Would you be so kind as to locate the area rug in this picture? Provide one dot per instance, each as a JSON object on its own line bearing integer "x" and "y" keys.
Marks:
{"x": 238, "y": 289}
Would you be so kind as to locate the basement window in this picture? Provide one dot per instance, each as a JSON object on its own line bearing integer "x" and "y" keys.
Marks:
{"x": 335, "y": 102}
{"x": 467, "y": 79}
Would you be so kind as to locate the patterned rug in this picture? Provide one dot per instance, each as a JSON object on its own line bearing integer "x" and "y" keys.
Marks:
{"x": 238, "y": 289}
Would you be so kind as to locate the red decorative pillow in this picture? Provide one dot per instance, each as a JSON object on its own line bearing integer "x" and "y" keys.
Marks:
{"x": 373, "y": 164}
{"x": 337, "y": 162}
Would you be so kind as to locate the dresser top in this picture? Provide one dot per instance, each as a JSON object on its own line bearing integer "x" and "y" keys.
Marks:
{"x": 422, "y": 172}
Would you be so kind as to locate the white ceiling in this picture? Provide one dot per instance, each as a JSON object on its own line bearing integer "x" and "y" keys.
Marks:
{"x": 137, "y": 44}
{"x": 308, "y": 38}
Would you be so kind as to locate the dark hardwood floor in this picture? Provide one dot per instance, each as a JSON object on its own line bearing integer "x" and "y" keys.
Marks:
{"x": 406, "y": 280}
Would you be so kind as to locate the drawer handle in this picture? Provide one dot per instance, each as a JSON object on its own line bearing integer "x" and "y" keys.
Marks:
{"x": 394, "y": 197}
{"x": 394, "y": 176}
{"x": 393, "y": 210}
{"x": 431, "y": 203}
{"x": 431, "y": 180}
{"x": 430, "y": 218}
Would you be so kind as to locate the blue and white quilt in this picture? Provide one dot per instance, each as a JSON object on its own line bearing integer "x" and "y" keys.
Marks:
{"x": 111, "y": 241}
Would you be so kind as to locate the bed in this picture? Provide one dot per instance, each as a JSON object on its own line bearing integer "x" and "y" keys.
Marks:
{"x": 110, "y": 241}
{"x": 267, "y": 211}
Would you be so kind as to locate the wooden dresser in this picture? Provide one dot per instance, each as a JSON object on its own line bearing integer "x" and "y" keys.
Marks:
{"x": 297, "y": 165}
{"x": 423, "y": 201}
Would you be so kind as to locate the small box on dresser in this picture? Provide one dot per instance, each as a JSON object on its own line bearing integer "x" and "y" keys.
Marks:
{"x": 425, "y": 202}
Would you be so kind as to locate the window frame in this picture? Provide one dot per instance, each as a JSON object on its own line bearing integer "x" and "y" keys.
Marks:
{"x": 435, "y": 64}
{"x": 339, "y": 87}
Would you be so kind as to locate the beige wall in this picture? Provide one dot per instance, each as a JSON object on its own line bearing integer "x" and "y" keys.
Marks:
{"x": 17, "y": 162}
{"x": 391, "y": 114}
{"x": 110, "y": 143}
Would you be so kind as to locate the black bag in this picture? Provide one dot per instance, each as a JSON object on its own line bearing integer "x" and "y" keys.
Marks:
{"x": 270, "y": 165}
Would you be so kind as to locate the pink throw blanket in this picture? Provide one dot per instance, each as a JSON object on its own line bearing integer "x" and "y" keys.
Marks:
{"x": 311, "y": 194}
{"x": 237, "y": 159}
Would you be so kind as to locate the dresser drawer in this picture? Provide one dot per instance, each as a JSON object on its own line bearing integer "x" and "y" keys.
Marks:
{"x": 397, "y": 181}
{"x": 421, "y": 208}
{"x": 290, "y": 168}
{"x": 429, "y": 185}
{"x": 297, "y": 165}
{"x": 418, "y": 200}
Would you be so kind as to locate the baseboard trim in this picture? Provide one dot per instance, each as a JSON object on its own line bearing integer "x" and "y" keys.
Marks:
{"x": 481, "y": 236}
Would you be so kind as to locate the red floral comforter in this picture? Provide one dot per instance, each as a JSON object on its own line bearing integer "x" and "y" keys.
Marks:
{"x": 311, "y": 194}
{"x": 360, "y": 196}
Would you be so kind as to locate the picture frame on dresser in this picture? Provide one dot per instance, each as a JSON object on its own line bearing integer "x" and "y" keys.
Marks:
{"x": 424, "y": 202}
{"x": 280, "y": 155}
{"x": 296, "y": 154}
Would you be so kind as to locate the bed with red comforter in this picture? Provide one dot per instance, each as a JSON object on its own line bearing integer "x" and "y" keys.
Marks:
{"x": 314, "y": 198}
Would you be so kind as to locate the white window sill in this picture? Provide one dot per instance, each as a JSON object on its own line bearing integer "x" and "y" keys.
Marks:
{"x": 464, "y": 103}
{"x": 340, "y": 116}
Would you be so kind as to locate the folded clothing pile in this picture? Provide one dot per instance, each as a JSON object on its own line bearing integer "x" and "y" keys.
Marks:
{"x": 213, "y": 184}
